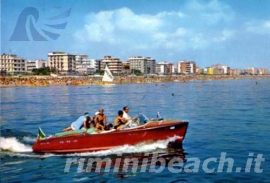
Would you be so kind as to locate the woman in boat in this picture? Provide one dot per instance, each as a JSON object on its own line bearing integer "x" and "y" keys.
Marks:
{"x": 76, "y": 125}
{"x": 119, "y": 121}
{"x": 101, "y": 120}
{"x": 89, "y": 125}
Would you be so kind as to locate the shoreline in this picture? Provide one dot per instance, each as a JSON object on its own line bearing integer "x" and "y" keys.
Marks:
{"x": 46, "y": 81}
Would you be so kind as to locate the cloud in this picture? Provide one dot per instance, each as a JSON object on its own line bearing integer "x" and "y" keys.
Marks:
{"x": 224, "y": 36}
{"x": 166, "y": 30}
{"x": 261, "y": 27}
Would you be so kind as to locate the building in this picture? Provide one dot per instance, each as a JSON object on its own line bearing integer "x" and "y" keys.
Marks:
{"x": 11, "y": 64}
{"x": 114, "y": 64}
{"x": 164, "y": 68}
{"x": 126, "y": 67}
{"x": 264, "y": 71}
{"x": 199, "y": 71}
{"x": 256, "y": 71}
{"x": 220, "y": 69}
{"x": 98, "y": 64}
{"x": 235, "y": 72}
{"x": 250, "y": 70}
{"x": 84, "y": 65}
{"x": 30, "y": 65}
{"x": 185, "y": 67}
{"x": 146, "y": 65}
{"x": 210, "y": 70}
{"x": 62, "y": 62}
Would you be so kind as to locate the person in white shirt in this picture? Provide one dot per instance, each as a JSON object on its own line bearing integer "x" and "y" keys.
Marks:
{"x": 125, "y": 115}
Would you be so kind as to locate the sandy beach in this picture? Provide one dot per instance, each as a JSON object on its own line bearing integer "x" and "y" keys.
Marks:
{"x": 38, "y": 81}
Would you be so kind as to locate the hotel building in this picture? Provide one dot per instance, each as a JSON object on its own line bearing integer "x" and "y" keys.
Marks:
{"x": 164, "y": 68}
{"x": 84, "y": 65}
{"x": 185, "y": 67}
{"x": 114, "y": 64}
{"x": 30, "y": 65}
{"x": 11, "y": 64}
{"x": 220, "y": 69}
{"x": 64, "y": 63}
{"x": 146, "y": 65}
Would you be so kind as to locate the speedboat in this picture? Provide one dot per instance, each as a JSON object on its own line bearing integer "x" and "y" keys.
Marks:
{"x": 138, "y": 130}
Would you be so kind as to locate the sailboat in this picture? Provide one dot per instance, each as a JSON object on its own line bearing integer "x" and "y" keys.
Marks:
{"x": 107, "y": 77}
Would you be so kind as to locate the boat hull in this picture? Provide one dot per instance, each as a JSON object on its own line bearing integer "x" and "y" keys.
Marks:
{"x": 153, "y": 131}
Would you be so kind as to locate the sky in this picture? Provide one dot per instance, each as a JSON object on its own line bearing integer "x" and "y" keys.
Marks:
{"x": 227, "y": 32}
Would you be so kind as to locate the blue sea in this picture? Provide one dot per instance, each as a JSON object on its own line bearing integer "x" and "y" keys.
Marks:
{"x": 228, "y": 138}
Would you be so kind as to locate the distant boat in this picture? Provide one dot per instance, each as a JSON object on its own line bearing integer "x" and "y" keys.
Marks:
{"x": 107, "y": 77}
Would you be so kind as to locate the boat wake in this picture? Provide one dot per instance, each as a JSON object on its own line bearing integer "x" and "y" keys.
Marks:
{"x": 128, "y": 149}
{"x": 11, "y": 146}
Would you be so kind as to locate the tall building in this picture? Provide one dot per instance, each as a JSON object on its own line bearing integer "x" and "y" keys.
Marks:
{"x": 146, "y": 65}
{"x": 62, "y": 62}
{"x": 30, "y": 65}
{"x": 235, "y": 72}
{"x": 98, "y": 64}
{"x": 114, "y": 64}
{"x": 185, "y": 67}
{"x": 84, "y": 65}
{"x": 11, "y": 64}
{"x": 250, "y": 70}
{"x": 164, "y": 68}
{"x": 126, "y": 67}
{"x": 220, "y": 69}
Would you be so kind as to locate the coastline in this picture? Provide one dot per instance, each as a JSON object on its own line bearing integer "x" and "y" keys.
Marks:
{"x": 45, "y": 81}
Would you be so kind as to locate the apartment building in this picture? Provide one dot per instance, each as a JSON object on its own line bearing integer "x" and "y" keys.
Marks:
{"x": 30, "y": 65}
{"x": 164, "y": 68}
{"x": 219, "y": 69}
{"x": 84, "y": 65}
{"x": 62, "y": 62}
{"x": 12, "y": 64}
{"x": 146, "y": 65}
{"x": 115, "y": 64}
{"x": 185, "y": 67}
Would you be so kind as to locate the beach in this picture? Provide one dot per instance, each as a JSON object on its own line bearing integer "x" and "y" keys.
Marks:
{"x": 38, "y": 81}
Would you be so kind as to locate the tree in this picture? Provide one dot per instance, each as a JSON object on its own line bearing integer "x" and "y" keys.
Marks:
{"x": 136, "y": 72}
{"x": 42, "y": 71}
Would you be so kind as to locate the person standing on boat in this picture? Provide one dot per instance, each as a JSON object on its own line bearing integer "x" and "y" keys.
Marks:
{"x": 76, "y": 125}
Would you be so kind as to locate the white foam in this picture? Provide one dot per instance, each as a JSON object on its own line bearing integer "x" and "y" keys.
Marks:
{"x": 12, "y": 144}
{"x": 142, "y": 147}
{"x": 29, "y": 139}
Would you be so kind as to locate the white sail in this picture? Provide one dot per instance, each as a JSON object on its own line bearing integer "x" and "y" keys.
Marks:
{"x": 107, "y": 77}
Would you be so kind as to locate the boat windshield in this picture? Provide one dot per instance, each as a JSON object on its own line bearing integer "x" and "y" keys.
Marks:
{"x": 141, "y": 119}
{"x": 138, "y": 120}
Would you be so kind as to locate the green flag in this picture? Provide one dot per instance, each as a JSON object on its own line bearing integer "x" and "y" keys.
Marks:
{"x": 41, "y": 134}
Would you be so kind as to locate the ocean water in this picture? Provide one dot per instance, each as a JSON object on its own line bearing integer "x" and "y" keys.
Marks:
{"x": 228, "y": 139}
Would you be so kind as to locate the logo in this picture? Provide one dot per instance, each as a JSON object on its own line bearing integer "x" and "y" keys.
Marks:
{"x": 30, "y": 28}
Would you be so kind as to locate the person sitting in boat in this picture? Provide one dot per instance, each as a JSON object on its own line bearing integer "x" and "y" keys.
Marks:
{"x": 101, "y": 120}
{"x": 89, "y": 125}
{"x": 76, "y": 125}
{"x": 119, "y": 121}
{"x": 125, "y": 114}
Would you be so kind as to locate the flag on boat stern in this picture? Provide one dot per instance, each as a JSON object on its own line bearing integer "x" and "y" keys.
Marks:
{"x": 41, "y": 134}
